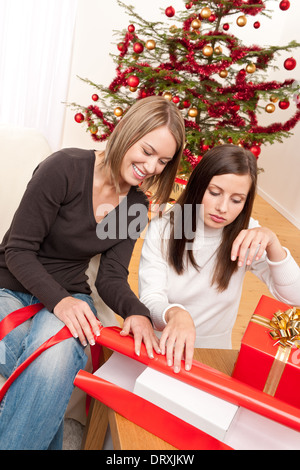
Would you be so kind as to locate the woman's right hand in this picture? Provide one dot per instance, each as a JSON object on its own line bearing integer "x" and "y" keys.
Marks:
{"x": 178, "y": 338}
{"x": 79, "y": 318}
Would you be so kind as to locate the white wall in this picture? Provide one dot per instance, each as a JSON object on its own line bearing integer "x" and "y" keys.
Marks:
{"x": 94, "y": 41}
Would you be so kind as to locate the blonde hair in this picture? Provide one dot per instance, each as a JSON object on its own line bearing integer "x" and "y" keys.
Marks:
{"x": 143, "y": 117}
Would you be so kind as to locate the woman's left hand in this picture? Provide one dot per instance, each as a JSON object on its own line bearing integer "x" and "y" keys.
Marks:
{"x": 142, "y": 330}
{"x": 250, "y": 245}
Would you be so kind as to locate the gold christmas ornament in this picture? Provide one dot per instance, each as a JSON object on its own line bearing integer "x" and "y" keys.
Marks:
{"x": 93, "y": 129}
{"x": 207, "y": 50}
{"x": 196, "y": 24}
{"x": 223, "y": 73}
{"x": 173, "y": 29}
{"x": 133, "y": 88}
{"x": 167, "y": 95}
{"x": 241, "y": 20}
{"x": 118, "y": 111}
{"x": 205, "y": 12}
{"x": 251, "y": 68}
{"x": 270, "y": 108}
{"x": 150, "y": 44}
{"x": 273, "y": 98}
{"x": 193, "y": 112}
{"x": 218, "y": 50}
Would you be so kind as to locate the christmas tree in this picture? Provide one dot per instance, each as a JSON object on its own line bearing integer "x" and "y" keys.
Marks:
{"x": 217, "y": 82}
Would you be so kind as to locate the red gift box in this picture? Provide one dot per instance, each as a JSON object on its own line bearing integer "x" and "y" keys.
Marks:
{"x": 269, "y": 358}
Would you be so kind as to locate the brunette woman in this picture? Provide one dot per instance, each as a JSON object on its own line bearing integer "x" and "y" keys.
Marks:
{"x": 195, "y": 257}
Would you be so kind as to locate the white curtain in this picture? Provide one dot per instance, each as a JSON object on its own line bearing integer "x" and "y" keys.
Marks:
{"x": 36, "y": 38}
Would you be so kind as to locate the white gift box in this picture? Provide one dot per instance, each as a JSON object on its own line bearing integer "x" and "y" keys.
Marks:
{"x": 237, "y": 427}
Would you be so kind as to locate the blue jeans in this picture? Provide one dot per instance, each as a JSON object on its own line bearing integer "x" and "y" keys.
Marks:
{"x": 32, "y": 411}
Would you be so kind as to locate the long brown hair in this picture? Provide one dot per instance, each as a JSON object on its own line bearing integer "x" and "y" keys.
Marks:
{"x": 223, "y": 159}
{"x": 143, "y": 117}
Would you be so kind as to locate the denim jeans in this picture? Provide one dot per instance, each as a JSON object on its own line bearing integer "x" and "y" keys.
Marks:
{"x": 32, "y": 411}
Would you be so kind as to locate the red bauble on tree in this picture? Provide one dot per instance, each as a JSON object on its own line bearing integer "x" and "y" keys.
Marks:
{"x": 131, "y": 28}
{"x": 79, "y": 117}
{"x": 133, "y": 81}
{"x": 95, "y": 97}
{"x": 290, "y": 63}
{"x": 283, "y": 104}
{"x": 138, "y": 47}
{"x": 255, "y": 149}
{"x": 170, "y": 11}
{"x": 284, "y": 5}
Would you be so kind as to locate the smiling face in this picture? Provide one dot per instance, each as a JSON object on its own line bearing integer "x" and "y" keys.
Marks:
{"x": 148, "y": 156}
{"x": 224, "y": 199}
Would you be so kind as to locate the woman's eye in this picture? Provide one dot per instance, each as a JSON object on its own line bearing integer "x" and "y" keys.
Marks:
{"x": 213, "y": 193}
{"x": 146, "y": 153}
{"x": 236, "y": 201}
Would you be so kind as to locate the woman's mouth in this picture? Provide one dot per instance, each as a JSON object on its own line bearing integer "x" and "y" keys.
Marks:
{"x": 138, "y": 173}
{"x": 216, "y": 218}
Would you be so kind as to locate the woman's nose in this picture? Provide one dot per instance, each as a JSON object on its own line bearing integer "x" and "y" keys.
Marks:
{"x": 222, "y": 205}
{"x": 150, "y": 165}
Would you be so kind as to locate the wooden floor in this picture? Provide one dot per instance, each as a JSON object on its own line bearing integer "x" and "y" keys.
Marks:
{"x": 253, "y": 288}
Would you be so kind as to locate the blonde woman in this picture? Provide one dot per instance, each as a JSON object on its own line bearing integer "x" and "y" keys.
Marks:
{"x": 79, "y": 203}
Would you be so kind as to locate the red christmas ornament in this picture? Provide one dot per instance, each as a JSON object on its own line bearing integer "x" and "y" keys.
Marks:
{"x": 170, "y": 11}
{"x": 284, "y": 5}
{"x": 133, "y": 81}
{"x": 176, "y": 99}
{"x": 186, "y": 104}
{"x": 226, "y": 27}
{"x": 188, "y": 5}
{"x": 79, "y": 117}
{"x": 256, "y": 25}
{"x": 290, "y": 63}
{"x": 138, "y": 47}
{"x": 255, "y": 149}
{"x": 212, "y": 18}
{"x": 95, "y": 97}
{"x": 283, "y": 104}
{"x": 131, "y": 28}
{"x": 120, "y": 46}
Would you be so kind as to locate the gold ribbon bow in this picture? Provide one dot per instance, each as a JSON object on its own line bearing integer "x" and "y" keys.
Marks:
{"x": 285, "y": 330}
{"x": 285, "y": 327}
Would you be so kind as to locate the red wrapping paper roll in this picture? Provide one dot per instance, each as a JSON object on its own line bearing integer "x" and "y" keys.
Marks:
{"x": 147, "y": 415}
{"x": 209, "y": 380}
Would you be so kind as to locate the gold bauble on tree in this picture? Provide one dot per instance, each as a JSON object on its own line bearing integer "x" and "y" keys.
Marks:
{"x": 193, "y": 112}
{"x": 251, "y": 68}
{"x": 207, "y": 50}
{"x": 241, "y": 20}
{"x": 218, "y": 50}
{"x": 167, "y": 95}
{"x": 273, "y": 98}
{"x": 133, "y": 88}
{"x": 205, "y": 12}
{"x": 118, "y": 111}
{"x": 223, "y": 73}
{"x": 150, "y": 44}
{"x": 270, "y": 108}
{"x": 173, "y": 29}
{"x": 196, "y": 24}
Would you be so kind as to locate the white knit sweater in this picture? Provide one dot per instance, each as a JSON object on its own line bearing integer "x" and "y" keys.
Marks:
{"x": 214, "y": 313}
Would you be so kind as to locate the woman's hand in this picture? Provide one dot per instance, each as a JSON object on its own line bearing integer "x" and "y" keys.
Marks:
{"x": 256, "y": 240}
{"x": 178, "y": 338}
{"x": 142, "y": 330}
{"x": 79, "y": 318}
